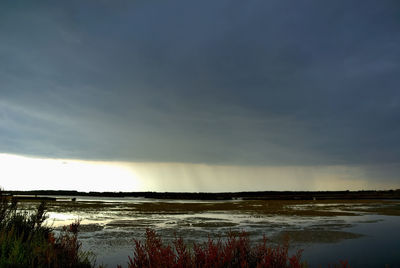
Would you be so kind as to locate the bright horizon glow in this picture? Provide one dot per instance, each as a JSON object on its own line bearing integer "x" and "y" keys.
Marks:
{"x": 29, "y": 173}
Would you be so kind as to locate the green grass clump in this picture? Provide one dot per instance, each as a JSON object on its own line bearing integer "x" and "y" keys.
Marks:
{"x": 26, "y": 242}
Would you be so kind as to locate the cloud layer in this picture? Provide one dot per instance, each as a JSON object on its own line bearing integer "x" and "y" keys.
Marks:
{"x": 275, "y": 83}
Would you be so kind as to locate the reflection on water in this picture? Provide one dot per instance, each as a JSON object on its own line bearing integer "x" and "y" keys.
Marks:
{"x": 379, "y": 245}
{"x": 327, "y": 230}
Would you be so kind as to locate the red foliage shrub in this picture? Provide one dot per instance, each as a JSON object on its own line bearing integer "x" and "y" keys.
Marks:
{"x": 342, "y": 264}
{"x": 236, "y": 251}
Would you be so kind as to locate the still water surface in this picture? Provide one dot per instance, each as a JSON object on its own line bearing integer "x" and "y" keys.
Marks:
{"x": 366, "y": 233}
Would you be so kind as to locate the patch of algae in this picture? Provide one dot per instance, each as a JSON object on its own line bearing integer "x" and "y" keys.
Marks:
{"x": 314, "y": 236}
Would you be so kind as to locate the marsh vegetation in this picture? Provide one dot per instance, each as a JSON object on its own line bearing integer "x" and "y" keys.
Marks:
{"x": 109, "y": 225}
{"x": 26, "y": 242}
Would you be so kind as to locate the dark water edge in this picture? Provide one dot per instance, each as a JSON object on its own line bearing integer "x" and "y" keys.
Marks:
{"x": 378, "y": 247}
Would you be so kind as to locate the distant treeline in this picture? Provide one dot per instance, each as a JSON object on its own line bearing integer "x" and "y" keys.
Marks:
{"x": 260, "y": 195}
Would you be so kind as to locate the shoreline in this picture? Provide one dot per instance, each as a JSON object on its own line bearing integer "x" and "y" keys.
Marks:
{"x": 254, "y": 195}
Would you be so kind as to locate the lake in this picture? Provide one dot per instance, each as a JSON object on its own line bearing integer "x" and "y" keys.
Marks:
{"x": 364, "y": 232}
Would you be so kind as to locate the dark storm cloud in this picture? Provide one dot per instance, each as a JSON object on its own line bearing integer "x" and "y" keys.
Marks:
{"x": 229, "y": 82}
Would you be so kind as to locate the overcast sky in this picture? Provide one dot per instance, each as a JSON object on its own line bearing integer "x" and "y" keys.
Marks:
{"x": 267, "y": 83}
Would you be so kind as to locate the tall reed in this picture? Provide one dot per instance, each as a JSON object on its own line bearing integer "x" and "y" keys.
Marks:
{"x": 26, "y": 242}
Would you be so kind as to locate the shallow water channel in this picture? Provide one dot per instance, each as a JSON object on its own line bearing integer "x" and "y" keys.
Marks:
{"x": 364, "y": 232}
